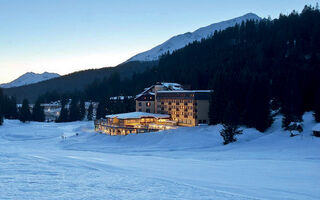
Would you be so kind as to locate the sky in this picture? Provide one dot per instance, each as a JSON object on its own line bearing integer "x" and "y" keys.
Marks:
{"x": 64, "y": 36}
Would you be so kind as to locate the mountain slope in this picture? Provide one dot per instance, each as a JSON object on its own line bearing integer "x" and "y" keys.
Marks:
{"x": 30, "y": 78}
{"x": 75, "y": 81}
{"x": 180, "y": 41}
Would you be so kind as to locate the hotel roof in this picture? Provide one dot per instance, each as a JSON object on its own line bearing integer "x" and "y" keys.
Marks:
{"x": 137, "y": 115}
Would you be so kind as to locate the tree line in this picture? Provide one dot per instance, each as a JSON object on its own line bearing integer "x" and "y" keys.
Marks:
{"x": 256, "y": 69}
{"x": 10, "y": 110}
{"x": 256, "y": 65}
{"x": 75, "y": 111}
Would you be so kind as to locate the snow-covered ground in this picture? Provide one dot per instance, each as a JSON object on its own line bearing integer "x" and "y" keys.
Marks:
{"x": 186, "y": 163}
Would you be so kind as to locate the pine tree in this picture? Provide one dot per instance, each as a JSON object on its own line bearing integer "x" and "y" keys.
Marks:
{"x": 25, "y": 114}
{"x": 12, "y": 111}
{"x": 230, "y": 124}
{"x": 218, "y": 100}
{"x": 82, "y": 109}
{"x": 316, "y": 113}
{"x": 101, "y": 110}
{"x": 292, "y": 106}
{"x": 64, "y": 113}
{"x": 257, "y": 111}
{"x": 1, "y": 118}
{"x": 1, "y": 106}
{"x": 90, "y": 112}
{"x": 74, "y": 114}
{"x": 38, "y": 112}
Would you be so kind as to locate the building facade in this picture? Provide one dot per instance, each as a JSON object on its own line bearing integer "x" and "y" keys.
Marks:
{"x": 145, "y": 101}
{"x": 186, "y": 107}
{"x": 134, "y": 122}
{"x": 160, "y": 107}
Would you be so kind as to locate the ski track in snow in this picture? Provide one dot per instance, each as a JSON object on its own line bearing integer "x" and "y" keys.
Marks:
{"x": 187, "y": 163}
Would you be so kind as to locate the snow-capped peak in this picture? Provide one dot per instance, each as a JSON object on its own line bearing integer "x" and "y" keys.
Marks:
{"x": 30, "y": 78}
{"x": 180, "y": 41}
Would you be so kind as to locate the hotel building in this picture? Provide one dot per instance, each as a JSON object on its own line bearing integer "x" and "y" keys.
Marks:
{"x": 159, "y": 107}
{"x": 187, "y": 107}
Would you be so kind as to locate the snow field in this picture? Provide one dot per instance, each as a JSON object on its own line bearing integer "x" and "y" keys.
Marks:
{"x": 186, "y": 163}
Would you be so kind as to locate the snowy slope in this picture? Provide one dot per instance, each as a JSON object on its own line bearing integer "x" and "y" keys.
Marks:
{"x": 182, "y": 40}
{"x": 30, "y": 78}
{"x": 186, "y": 163}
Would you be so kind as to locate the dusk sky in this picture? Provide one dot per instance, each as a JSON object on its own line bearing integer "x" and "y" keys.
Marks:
{"x": 66, "y": 36}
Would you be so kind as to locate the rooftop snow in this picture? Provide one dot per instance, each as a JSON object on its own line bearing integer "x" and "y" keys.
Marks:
{"x": 136, "y": 115}
{"x": 169, "y": 86}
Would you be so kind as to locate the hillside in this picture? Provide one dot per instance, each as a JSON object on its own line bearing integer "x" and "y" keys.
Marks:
{"x": 180, "y": 41}
{"x": 76, "y": 80}
{"x": 186, "y": 163}
{"x": 252, "y": 68}
{"x": 137, "y": 64}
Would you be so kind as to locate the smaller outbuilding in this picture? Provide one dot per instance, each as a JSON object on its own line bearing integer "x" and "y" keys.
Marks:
{"x": 316, "y": 130}
{"x": 134, "y": 122}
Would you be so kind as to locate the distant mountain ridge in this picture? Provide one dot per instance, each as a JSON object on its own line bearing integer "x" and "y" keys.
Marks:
{"x": 30, "y": 78}
{"x": 180, "y": 41}
{"x": 77, "y": 81}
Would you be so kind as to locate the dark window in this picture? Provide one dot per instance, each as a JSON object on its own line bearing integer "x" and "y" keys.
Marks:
{"x": 148, "y": 110}
{"x": 204, "y": 121}
{"x": 139, "y": 103}
{"x": 200, "y": 121}
{"x": 140, "y": 110}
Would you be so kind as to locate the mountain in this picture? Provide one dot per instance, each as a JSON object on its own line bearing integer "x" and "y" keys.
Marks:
{"x": 76, "y": 81}
{"x": 180, "y": 41}
{"x": 30, "y": 78}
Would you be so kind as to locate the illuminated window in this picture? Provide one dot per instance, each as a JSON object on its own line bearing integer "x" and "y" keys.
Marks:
{"x": 148, "y": 104}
